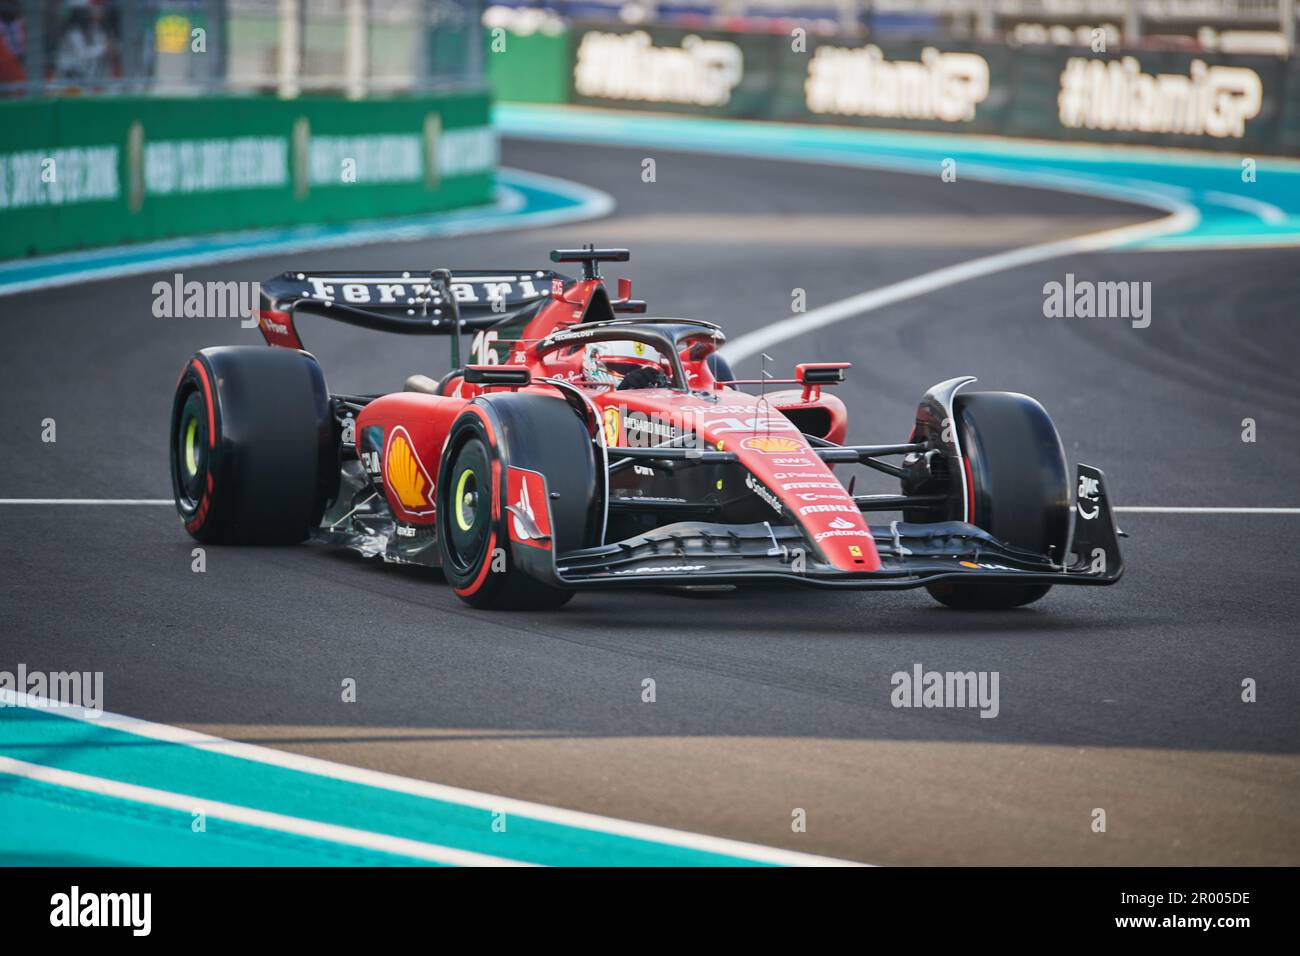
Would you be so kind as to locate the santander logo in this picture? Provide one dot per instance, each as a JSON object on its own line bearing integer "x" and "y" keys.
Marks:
{"x": 526, "y": 506}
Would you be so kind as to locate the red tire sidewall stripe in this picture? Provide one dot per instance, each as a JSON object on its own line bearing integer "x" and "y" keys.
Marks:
{"x": 970, "y": 491}
{"x": 476, "y": 585}
{"x": 207, "y": 394}
{"x": 205, "y": 503}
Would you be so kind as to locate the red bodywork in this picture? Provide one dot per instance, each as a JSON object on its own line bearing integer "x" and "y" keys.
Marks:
{"x": 783, "y": 469}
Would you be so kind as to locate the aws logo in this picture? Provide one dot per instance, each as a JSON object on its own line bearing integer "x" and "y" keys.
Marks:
{"x": 405, "y": 474}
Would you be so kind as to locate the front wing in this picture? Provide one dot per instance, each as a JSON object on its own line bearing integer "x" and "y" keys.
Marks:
{"x": 912, "y": 554}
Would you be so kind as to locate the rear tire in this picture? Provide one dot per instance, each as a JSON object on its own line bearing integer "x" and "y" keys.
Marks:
{"x": 1019, "y": 486}
{"x": 253, "y": 454}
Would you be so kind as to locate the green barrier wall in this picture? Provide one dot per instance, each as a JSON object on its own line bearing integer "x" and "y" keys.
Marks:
{"x": 528, "y": 68}
{"x": 78, "y": 173}
{"x": 1249, "y": 104}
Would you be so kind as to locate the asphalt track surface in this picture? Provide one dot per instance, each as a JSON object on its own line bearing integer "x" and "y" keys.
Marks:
{"x": 1126, "y": 698}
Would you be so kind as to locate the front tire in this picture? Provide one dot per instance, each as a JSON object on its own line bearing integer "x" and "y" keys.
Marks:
{"x": 534, "y": 432}
{"x": 1017, "y": 488}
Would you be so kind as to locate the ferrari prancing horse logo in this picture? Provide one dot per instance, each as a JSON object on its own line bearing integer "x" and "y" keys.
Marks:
{"x": 612, "y": 431}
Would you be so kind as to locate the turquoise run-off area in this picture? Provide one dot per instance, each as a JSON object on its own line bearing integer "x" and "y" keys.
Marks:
{"x": 1223, "y": 209}
{"x": 49, "y": 824}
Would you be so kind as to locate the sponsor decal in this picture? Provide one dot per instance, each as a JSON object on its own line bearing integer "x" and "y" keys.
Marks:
{"x": 465, "y": 152}
{"x": 800, "y": 485}
{"x": 861, "y": 82}
{"x": 662, "y": 569}
{"x": 1214, "y": 101}
{"x": 793, "y": 462}
{"x": 820, "y": 535}
{"x": 985, "y": 566}
{"x": 377, "y": 158}
{"x": 372, "y": 440}
{"x": 83, "y": 174}
{"x": 772, "y": 444}
{"x": 1089, "y": 493}
{"x": 186, "y": 166}
{"x": 401, "y": 288}
{"x": 839, "y": 528}
{"x": 811, "y": 496}
{"x": 526, "y": 492}
{"x": 612, "y": 431}
{"x": 826, "y": 509}
{"x": 627, "y": 66}
{"x": 568, "y": 336}
{"x": 645, "y": 430}
{"x": 758, "y": 488}
{"x": 717, "y": 409}
{"x": 723, "y": 425}
{"x": 406, "y": 531}
{"x": 406, "y": 475}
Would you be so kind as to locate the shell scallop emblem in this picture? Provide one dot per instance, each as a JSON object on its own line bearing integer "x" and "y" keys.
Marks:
{"x": 772, "y": 444}
{"x": 405, "y": 474}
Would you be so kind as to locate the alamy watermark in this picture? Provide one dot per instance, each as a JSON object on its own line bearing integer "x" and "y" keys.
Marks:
{"x": 922, "y": 688}
{"x": 54, "y": 689}
{"x": 74, "y": 908}
{"x": 1084, "y": 299}
{"x": 180, "y": 299}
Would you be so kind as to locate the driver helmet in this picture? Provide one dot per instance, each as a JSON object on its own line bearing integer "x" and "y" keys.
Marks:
{"x": 600, "y": 359}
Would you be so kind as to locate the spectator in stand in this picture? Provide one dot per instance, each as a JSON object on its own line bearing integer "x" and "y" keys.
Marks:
{"x": 13, "y": 43}
{"x": 83, "y": 54}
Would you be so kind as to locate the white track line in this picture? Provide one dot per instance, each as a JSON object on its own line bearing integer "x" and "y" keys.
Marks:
{"x": 793, "y": 326}
{"x": 249, "y": 817}
{"x": 86, "y": 501}
{"x": 1132, "y": 509}
{"x": 1265, "y": 211}
{"x": 432, "y": 791}
{"x": 1163, "y": 510}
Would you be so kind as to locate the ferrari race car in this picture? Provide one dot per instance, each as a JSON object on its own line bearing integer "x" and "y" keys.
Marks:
{"x": 585, "y": 445}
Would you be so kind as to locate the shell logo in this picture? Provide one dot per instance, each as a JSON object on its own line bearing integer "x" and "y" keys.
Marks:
{"x": 405, "y": 474}
{"x": 772, "y": 444}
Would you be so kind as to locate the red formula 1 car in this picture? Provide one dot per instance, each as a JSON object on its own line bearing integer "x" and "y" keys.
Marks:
{"x": 586, "y": 445}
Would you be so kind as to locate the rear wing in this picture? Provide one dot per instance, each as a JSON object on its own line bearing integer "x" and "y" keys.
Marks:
{"x": 410, "y": 302}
